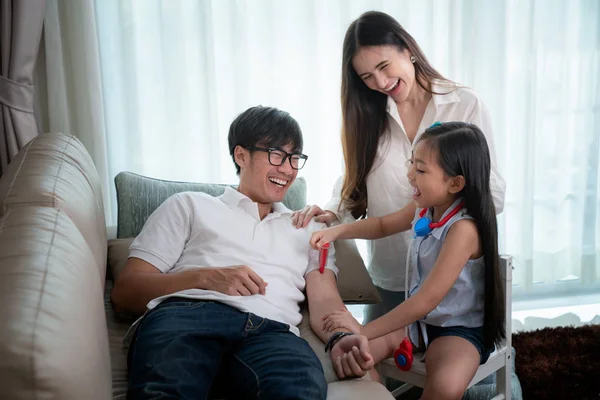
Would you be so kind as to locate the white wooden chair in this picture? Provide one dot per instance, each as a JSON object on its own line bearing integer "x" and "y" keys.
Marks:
{"x": 499, "y": 362}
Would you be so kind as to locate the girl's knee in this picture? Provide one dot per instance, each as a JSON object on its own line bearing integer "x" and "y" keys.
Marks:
{"x": 444, "y": 389}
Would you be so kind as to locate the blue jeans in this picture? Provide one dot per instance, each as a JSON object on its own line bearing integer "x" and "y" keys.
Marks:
{"x": 182, "y": 349}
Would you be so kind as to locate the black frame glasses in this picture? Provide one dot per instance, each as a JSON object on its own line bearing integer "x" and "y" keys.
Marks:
{"x": 275, "y": 153}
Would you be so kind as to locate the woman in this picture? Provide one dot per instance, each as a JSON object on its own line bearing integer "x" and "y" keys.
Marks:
{"x": 390, "y": 95}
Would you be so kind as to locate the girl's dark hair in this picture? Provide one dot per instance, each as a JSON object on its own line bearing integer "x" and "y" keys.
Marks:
{"x": 364, "y": 119}
{"x": 266, "y": 127}
{"x": 462, "y": 149}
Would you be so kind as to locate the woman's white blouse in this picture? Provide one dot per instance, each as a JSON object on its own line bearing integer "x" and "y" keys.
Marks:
{"x": 388, "y": 187}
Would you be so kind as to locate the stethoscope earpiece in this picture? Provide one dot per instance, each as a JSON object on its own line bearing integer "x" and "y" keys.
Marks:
{"x": 424, "y": 226}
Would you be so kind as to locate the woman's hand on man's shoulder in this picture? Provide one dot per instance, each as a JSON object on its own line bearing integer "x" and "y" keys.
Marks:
{"x": 301, "y": 219}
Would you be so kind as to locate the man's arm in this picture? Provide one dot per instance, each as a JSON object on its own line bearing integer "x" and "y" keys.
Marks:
{"x": 355, "y": 355}
{"x": 323, "y": 298}
{"x": 140, "y": 282}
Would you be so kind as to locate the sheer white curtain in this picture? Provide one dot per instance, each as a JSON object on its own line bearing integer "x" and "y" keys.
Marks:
{"x": 551, "y": 145}
{"x": 174, "y": 73}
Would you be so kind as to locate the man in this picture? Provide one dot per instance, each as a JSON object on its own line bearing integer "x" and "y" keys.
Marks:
{"x": 221, "y": 279}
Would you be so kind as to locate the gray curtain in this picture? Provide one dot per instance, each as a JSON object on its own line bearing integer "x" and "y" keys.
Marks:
{"x": 21, "y": 24}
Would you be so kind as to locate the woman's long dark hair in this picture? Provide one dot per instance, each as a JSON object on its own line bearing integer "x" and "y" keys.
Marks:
{"x": 462, "y": 149}
{"x": 364, "y": 110}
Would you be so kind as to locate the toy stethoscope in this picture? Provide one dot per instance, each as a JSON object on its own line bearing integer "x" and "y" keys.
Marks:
{"x": 403, "y": 356}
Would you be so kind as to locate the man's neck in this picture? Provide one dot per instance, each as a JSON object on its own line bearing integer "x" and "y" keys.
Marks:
{"x": 264, "y": 209}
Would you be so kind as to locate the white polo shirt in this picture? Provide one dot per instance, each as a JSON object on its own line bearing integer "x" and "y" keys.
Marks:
{"x": 388, "y": 187}
{"x": 193, "y": 230}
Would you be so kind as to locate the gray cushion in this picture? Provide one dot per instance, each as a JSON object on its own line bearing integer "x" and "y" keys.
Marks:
{"x": 138, "y": 196}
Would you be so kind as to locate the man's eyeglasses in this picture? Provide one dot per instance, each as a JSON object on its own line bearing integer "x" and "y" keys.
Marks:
{"x": 277, "y": 157}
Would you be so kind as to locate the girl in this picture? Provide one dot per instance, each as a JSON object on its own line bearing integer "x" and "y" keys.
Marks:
{"x": 455, "y": 304}
{"x": 390, "y": 94}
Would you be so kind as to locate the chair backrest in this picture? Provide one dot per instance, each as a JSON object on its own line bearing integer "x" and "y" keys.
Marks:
{"x": 506, "y": 275}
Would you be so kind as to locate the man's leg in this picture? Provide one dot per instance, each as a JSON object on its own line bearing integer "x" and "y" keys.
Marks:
{"x": 273, "y": 363}
{"x": 178, "y": 349}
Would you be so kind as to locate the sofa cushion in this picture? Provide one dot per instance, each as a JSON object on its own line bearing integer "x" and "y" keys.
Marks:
{"x": 117, "y": 327}
{"x": 53, "y": 338}
{"x": 118, "y": 252}
{"x": 354, "y": 283}
{"x": 55, "y": 170}
{"x": 138, "y": 196}
{"x": 357, "y": 389}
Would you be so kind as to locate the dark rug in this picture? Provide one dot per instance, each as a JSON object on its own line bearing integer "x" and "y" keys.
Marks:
{"x": 559, "y": 363}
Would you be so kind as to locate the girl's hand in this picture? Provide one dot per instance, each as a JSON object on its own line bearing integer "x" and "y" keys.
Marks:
{"x": 327, "y": 235}
{"x": 341, "y": 319}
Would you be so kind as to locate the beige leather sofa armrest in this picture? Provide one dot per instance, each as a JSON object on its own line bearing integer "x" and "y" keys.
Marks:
{"x": 358, "y": 389}
{"x": 55, "y": 170}
{"x": 53, "y": 337}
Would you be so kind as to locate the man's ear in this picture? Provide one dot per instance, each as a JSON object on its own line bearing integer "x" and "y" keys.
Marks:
{"x": 241, "y": 156}
{"x": 457, "y": 183}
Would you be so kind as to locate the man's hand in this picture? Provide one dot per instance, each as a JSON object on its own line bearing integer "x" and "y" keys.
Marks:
{"x": 341, "y": 319}
{"x": 237, "y": 280}
{"x": 351, "y": 357}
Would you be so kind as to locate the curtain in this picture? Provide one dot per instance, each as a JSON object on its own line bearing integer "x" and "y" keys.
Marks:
{"x": 551, "y": 145}
{"x": 20, "y": 31}
{"x": 69, "y": 77}
{"x": 169, "y": 76}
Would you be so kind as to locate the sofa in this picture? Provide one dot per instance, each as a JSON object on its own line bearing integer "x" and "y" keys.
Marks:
{"x": 59, "y": 337}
